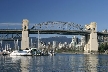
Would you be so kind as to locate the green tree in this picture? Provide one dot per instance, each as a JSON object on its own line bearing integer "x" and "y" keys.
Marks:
{"x": 101, "y": 48}
{"x": 105, "y": 46}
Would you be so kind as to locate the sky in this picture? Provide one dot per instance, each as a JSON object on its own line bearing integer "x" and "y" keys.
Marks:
{"x": 38, "y": 11}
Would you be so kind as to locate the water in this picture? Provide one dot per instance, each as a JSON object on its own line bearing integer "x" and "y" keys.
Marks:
{"x": 58, "y": 63}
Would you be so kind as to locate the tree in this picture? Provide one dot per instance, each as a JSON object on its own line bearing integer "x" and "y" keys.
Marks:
{"x": 105, "y": 46}
{"x": 101, "y": 48}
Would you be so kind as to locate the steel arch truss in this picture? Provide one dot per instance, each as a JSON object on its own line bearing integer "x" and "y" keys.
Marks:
{"x": 10, "y": 37}
{"x": 57, "y": 25}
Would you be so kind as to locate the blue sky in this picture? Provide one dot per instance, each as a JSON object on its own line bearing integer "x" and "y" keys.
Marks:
{"x": 37, "y": 11}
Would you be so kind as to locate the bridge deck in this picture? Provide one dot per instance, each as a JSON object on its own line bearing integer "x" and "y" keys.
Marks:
{"x": 62, "y": 32}
{"x": 32, "y": 31}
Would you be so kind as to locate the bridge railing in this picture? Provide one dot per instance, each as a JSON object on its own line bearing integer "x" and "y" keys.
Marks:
{"x": 10, "y": 29}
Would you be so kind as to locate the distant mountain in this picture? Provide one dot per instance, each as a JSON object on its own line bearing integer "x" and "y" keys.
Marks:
{"x": 61, "y": 39}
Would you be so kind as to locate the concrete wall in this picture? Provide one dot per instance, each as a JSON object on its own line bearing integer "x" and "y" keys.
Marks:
{"x": 91, "y": 40}
{"x": 25, "y": 35}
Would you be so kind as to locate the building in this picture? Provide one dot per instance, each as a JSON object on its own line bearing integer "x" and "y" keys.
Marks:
{"x": 82, "y": 40}
{"x": 74, "y": 41}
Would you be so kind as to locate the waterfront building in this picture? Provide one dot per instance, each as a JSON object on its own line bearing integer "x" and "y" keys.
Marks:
{"x": 54, "y": 44}
{"x": 70, "y": 45}
{"x": 65, "y": 43}
{"x": 60, "y": 45}
{"x": 49, "y": 43}
{"x": 78, "y": 46}
{"x": 74, "y": 41}
{"x": 82, "y": 40}
{"x": 105, "y": 38}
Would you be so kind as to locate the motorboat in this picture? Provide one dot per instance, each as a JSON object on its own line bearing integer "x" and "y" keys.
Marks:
{"x": 32, "y": 51}
{"x": 4, "y": 53}
{"x": 18, "y": 53}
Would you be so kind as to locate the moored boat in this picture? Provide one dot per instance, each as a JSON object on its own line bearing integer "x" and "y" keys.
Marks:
{"x": 18, "y": 53}
{"x": 4, "y": 53}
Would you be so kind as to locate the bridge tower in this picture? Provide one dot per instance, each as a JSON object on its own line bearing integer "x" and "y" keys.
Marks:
{"x": 25, "y": 34}
{"x": 91, "y": 42}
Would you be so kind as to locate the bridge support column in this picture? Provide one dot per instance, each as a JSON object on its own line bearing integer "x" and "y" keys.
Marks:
{"x": 87, "y": 44}
{"x": 25, "y": 34}
{"x": 91, "y": 43}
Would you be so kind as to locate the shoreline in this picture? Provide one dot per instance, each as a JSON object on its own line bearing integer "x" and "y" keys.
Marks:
{"x": 80, "y": 53}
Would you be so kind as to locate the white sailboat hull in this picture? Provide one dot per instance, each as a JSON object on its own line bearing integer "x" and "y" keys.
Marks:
{"x": 18, "y": 53}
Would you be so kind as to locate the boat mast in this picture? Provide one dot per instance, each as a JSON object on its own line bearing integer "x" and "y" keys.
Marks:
{"x": 38, "y": 39}
{"x": 17, "y": 44}
{"x": 31, "y": 43}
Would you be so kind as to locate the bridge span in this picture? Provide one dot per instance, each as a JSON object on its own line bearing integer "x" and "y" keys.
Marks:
{"x": 61, "y": 32}
{"x": 58, "y": 27}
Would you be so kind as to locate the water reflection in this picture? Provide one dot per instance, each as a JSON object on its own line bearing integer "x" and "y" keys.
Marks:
{"x": 91, "y": 62}
{"x": 58, "y": 63}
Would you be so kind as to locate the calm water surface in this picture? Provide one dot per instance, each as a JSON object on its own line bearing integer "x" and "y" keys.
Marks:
{"x": 58, "y": 63}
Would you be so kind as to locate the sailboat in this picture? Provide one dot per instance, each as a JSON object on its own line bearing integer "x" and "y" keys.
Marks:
{"x": 6, "y": 51}
{"x": 17, "y": 52}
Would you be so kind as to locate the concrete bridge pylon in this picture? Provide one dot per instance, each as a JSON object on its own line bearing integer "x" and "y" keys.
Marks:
{"x": 25, "y": 34}
{"x": 91, "y": 42}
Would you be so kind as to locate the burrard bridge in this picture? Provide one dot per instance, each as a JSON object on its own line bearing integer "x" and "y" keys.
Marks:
{"x": 52, "y": 27}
